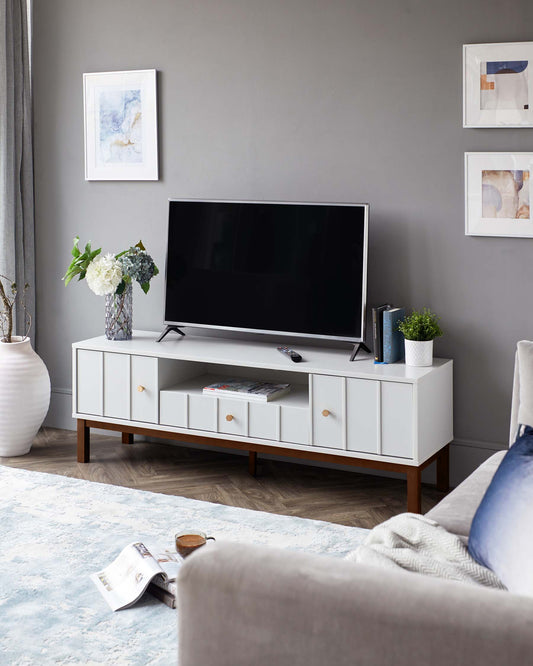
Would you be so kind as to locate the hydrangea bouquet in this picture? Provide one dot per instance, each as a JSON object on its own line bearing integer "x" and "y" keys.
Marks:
{"x": 112, "y": 276}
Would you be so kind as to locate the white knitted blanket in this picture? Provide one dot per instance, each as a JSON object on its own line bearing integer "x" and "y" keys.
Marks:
{"x": 416, "y": 543}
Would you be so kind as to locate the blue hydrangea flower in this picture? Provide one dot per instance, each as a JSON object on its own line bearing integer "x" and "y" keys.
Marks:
{"x": 138, "y": 265}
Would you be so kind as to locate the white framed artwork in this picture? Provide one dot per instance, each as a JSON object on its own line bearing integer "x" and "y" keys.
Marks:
{"x": 120, "y": 125}
{"x": 498, "y": 194}
{"x": 498, "y": 85}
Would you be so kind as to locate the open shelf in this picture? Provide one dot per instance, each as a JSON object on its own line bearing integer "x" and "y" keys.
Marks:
{"x": 297, "y": 397}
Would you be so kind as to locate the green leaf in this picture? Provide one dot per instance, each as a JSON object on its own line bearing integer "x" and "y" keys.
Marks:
{"x": 145, "y": 286}
{"x": 141, "y": 246}
{"x": 156, "y": 271}
{"x": 121, "y": 287}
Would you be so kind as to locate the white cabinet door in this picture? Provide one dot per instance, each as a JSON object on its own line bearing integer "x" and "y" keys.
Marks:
{"x": 232, "y": 416}
{"x": 397, "y": 419}
{"x": 362, "y": 415}
{"x": 295, "y": 425}
{"x": 328, "y": 411}
{"x": 202, "y": 412}
{"x": 263, "y": 420}
{"x": 89, "y": 379}
{"x": 144, "y": 389}
{"x": 117, "y": 385}
{"x": 173, "y": 408}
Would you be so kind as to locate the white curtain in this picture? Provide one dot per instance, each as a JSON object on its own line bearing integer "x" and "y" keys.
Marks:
{"x": 16, "y": 164}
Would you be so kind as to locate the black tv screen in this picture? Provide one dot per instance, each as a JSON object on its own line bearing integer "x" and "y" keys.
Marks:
{"x": 291, "y": 268}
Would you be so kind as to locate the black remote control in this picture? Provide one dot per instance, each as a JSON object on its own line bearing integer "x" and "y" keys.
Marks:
{"x": 294, "y": 356}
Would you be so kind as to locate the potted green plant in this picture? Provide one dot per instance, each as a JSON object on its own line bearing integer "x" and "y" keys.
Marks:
{"x": 420, "y": 328}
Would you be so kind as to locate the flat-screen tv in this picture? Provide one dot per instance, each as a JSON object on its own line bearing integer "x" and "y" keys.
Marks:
{"x": 295, "y": 269}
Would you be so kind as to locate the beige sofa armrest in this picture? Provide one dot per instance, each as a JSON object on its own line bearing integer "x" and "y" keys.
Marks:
{"x": 242, "y": 605}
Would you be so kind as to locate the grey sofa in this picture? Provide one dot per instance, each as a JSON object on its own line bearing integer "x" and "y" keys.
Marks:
{"x": 242, "y": 605}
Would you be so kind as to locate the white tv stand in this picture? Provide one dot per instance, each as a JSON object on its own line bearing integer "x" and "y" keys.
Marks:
{"x": 384, "y": 417}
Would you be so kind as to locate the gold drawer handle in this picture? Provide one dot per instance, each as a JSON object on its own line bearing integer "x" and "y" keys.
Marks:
{"x": 325, "y": 412}
{"x": 140, "y": 388}
{"x": 229, "y": 417}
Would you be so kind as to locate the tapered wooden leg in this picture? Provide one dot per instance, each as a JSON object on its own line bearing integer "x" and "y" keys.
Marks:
{"x": 127, "y": 438}
{"x": 252, "y": 462}
{"x": 84, "y": 442}
{"x": 414, "y": 490}
{"x": 443, "y": 469}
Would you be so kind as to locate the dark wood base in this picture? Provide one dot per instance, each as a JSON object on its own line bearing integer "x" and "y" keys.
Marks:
{"x": 413, "y": 474}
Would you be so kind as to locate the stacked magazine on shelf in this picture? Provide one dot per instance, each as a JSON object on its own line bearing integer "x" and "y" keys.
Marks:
{"x": 247, "y": 389}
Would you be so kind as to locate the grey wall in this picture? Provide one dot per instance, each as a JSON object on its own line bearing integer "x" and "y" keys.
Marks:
{"x": 310, "y": 100}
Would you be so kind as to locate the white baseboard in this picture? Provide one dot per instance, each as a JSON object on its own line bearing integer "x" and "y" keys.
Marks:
{"x": 465, "y": 455}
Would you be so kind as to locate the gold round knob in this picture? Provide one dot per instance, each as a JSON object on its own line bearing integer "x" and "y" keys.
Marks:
{"x": 140, "y": 388}
{"x": 325, "y": 412}
{"x": 229, "y": 417}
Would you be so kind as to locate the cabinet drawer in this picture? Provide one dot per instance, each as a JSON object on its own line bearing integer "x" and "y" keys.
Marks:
{"x": 117, "y": 385}
{"x": 232, "y": 416}
{"x": 144, "y": 389}
{"x": 397, "y": 419}
{"x": 89, "y": 382}
{"x": 173, "y": 408}
{"x": 263, "y": 421}
{"x": 294, "y": 425}
{"x": 202, "y": 412}
{"x": 328, "y": 411}
{"x": 362, "y": 415}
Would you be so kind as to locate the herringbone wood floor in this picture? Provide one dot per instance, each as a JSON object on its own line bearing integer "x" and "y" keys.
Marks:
{"x": 280, "y": 487}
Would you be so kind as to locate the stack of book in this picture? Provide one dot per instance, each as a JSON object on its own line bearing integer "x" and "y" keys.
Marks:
{"x": 248, "y": 389}
{"x": 388, "y": 341}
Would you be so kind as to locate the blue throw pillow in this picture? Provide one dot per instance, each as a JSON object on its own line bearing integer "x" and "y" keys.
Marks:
{"x": 501, "y": 536}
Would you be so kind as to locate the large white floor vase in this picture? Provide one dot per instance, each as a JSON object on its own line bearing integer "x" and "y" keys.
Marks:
{"x": 24, "y": 395}
{"x": 419, "y": 353}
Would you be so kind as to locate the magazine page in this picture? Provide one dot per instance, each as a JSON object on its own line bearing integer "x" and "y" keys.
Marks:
{"x": 125, "y": 580}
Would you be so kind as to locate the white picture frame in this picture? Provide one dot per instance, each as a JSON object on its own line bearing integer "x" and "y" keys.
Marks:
{"x": 120, "y": 123}
{"x": 498, "y": 85}
{"x": 498, "y": 194}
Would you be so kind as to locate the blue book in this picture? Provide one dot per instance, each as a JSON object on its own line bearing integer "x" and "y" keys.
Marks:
{"x": 393, "y": 347}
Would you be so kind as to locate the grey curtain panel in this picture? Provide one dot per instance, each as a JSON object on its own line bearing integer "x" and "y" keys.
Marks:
{"x": 17, "y": 259}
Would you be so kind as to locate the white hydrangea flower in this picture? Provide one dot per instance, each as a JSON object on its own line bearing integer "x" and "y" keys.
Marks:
{"x": 104, "y": 275}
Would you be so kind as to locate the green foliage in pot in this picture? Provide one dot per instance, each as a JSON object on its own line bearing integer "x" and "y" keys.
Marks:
{"x": 420, "y": 326}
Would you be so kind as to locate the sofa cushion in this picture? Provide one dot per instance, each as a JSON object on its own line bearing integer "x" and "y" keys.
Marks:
{"x": 501, "y": 536}
{"x": 456, "y": 511}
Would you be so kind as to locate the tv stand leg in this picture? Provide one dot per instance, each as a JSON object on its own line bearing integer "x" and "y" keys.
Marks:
{"x": 252, "y": 462}
{"x": 357, "y": 347}
{"x": 127, "y": 438}
{"x": 168, "y": 330}
{"x": 84, "y": 441}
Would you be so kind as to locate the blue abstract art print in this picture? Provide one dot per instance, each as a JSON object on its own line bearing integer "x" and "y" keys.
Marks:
{"x": 120, "y": 126}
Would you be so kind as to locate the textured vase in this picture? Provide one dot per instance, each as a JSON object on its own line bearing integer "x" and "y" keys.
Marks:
{"x": 24, "y": 396}
{"x": 119, "y": 315}
{"x": 419, "y": 353}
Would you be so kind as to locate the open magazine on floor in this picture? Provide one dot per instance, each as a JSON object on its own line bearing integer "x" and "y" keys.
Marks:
{"x": 127, "y": 578}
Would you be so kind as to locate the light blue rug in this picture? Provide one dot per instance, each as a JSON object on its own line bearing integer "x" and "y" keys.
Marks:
{"x": 55, "y": 531}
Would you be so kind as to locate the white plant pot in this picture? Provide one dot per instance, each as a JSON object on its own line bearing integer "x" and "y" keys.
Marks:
{"x": 419, "y": 353}
{"x": 24, "y": 396}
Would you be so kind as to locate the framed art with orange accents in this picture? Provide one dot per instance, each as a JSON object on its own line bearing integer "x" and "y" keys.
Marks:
{"x": 498, "y": 194}
{"x": 498, "y": 85}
